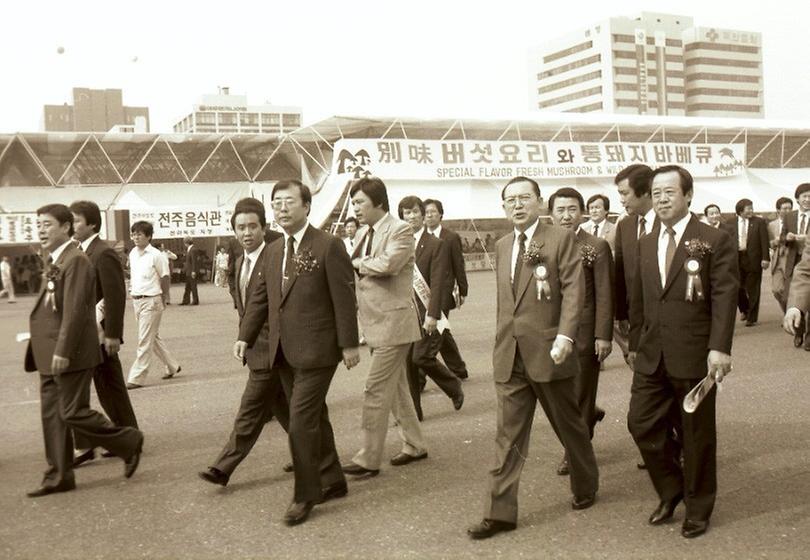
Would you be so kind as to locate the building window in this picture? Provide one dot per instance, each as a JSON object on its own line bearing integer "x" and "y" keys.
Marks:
{"x": 292, "y": 119}
{"x": 722, "y": 77}
{"x": 271, "y": 119}
{"x": 725, "y": 107}
{"x": 227, "y": 119}
{"x": 723, "y": 92}
{"x": 570, "y": 97}
{"x": 618, "y": 38}
{"x": 586, "y": 108}
{"x": 565, "y": 83}
{"x": 206, "y": 118}
{"x": 570, "y": 66}
{"x": 249, "y": 119}
{"x": 721, "y": 47}
{"x": 563, "y": 53}
{"x": 722, "y": 62}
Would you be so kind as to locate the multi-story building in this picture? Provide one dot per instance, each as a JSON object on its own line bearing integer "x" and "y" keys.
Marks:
{"x": 226, "y": 113}
{"x": 94, "y": 110}
{"x": 659, "y": 64}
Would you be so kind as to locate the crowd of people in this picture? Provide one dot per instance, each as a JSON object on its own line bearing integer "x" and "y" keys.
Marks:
{"x": 662, "y": 283}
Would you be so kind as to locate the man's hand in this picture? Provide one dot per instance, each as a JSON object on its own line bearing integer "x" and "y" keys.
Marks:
{"x": 112, "y": 346}
{"x": 561, "y": 349}
{"x": 631, "y": 360}
{"x": 791, "y": 236}
{"x": 602, "y": 349}
{"x": 719, "y": 364}
{"x": 460, "y": 301}
{"x": 792, "y": 320}
{"x": 429, "y": 325}
{"x": 239, "y": 349}
{"x": 59, "y": 364}
{"x": 356, "y": 263}
{"x": 765, "y": 265}
{"x": 351, "y": 357}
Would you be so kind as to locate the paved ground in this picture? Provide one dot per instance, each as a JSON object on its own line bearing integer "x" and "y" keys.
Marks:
{"x": 417, "y": 511}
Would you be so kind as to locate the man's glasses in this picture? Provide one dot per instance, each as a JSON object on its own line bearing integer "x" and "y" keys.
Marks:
{"x": 511, "y": 201}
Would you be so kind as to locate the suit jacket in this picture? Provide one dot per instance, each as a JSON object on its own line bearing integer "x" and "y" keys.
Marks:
{"x": 607, "y": 231}
{"x": 800, "y": 284}
{"x": 530, "y": 325}
{"x": 778, "y": 245}
{"x": 192, "y": 262}
{"x": 387, "y": 312}
{"x": 757, "y": 245}
{"x": 315, "y": 316}
{"x": 663, "y": 324}
{"x": 433, "y": 262}
{"x": 596, "y": 320}
{"x": 625, "y": 253}
{"x": 110, "y": 286}
{"x": 70, "y": 331}
{"x": 456, "y": 273}
{"x": 795, "y": 248}
{"x": 258, "y": 356}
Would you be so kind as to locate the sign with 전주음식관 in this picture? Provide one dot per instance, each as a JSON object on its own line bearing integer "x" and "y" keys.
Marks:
{"x": 179, "y": 222}
{"x": 481, "y": 159}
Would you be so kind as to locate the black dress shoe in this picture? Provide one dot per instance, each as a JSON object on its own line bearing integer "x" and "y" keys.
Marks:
{"x": 598, "y": 415}
{"x": 336, "y": 490}
{"x": 214, "y": 476}
{"x": 583, "y": 501}
{"x": 169, "y": 375}
{"x": 562, "y": 468}
{"x": 288, "y": 467}
{"x": 458, "y": 401}
{"x": 83, "y": 457}
{"x": 641, "y": 466}
{"x": 403, "y": 458}
{"x": 131, "y": 464}
{"x": 692, "y": 529}
{"x": 665, "y": 510}
{"x": 463, "y": 376}
{"x": 489, "y": 528}
{"x": 298, "y": 513}
{"x": 356, "y": 470}
{"x": 750, "y": 323}
{"x": 45, "y": 490}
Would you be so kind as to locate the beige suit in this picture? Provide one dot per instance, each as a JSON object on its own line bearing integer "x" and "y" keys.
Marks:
{"x": 524, "y": 372}
{"x": 390, "y": 323}
{"x": 800, "y": 285}
{"x": 607, "y": 231}
{"x": 780, "y": 278}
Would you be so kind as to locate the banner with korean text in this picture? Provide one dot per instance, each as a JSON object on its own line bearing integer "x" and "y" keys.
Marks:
{"x": 178, "y": 222}
{"x": 481, "y": 159}
{"x": 18, "y": 228}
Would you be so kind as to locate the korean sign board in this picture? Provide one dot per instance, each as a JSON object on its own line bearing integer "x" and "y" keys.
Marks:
{"x": 472, "y": 159}
{"x": 18, "y": 228}
{"x": 178, "y": 222}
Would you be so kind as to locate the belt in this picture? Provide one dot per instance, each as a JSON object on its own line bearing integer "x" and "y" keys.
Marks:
{"x": 141, "y": 297}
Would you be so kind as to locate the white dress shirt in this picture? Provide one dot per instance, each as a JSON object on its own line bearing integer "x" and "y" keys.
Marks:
{"x": 56, "y": 253}
{"x": 146, "y": 269}
{"x": 86, "y": 243}
{"x": 663, "y": 241}
{"x": 248, "y": 265}
{"x": 742, "y": 233}
{"x": 297, "y": 236}
{"x": 437, "y": 232}
{"x": 649, "y": 221}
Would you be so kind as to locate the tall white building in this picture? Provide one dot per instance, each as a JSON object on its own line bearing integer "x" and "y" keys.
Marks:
{"x": 226, "y": 113}
{"x": 656, "y": 64}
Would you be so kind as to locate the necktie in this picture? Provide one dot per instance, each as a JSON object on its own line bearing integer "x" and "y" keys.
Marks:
{"x": 642, "y": 227}
{"x": 519, "y": 262}
{"x": 670, "y": 253}
{"x": 244, "y": 279}
{"x": 369, "y": 240}
{"x": 803, "y": 226}
{"x": 596, "y": 230}
{"x": 288, "y": 263}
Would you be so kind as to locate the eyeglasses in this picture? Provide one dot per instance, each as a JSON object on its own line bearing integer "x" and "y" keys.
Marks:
{"x": 280, "y": 203}
{"x": 511, "y": 201}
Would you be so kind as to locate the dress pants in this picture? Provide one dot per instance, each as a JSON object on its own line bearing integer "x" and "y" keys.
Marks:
{"x": 262, "y": 399}
{"x": 517, "y": 399}
{"x": 750, "y": 283}
{"x": 312, "y": 442}
{"x": 422, "y": 362}
{"x": 65, "y": 410}
{"x": 112, "y": 393}
{"x": 451, "y": 356}
{"x": 585, "y": 386}
{"x": 190, "y": 291}
{"x": 148, "y": 312}
{"x": 650, "y": 420}
{"x": 386, "y": 391}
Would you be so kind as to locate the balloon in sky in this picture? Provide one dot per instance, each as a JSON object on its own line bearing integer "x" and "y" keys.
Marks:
{"x": 60, "y": 50}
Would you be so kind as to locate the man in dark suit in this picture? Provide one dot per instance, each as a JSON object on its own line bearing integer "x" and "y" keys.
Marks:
{"x": 111, "y": 300}
{"x": 541, "y": 291}
{"x": 430, "y": 276}
{"x": 64, "y": 349}
{"x": 679, "y": 332}
{"x": 456, "y": 287}
{"x": 191, "y": 270}
{"x": 306, "y": 297}
{"x": 798, "y": 228}
{"x": 751, "y": 233}
{"x": 595, "y": 332}
{"x": 798, "y": 306}
{"x": 263, "y": 397}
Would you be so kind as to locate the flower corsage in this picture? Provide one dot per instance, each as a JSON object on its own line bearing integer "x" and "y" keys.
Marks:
{"x": 534, "y": 258}
{"x": 304, "y": 262}
{"x": 589, "y": 255}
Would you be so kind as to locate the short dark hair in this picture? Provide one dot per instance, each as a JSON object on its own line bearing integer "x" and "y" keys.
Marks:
{"x": 437, "y": 203}
{"x": 639, "y": 178}
{"x": 142, "y": 227}
{"x": 712, "y": 205}
{"x": 686, "y": 181}
{"x": 249, "y": 206}
{"x": 410, "y": 202}
{"x": 372, "y": 187}
{"x": 783, "y": 200}
{"x": 61, "y": 212}
{"x": 521, "y": 179}
{"x": 351, "y": 219}
{"x": 605, "y": 201}
{"x": 89, "y": 211}
{"x": 801, "y": 189}
{"x": 303, "y": 190}
{"x": 741, "y": 204}
{"x": 566, "y": 192}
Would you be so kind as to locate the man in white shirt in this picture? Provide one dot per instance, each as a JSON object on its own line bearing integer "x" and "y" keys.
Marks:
{"x": 777, "y": 236}
{"x": 599, "y": 226}
{"x": 713, "y": 216}
{"x": 149, "y": 284}
{"x": 350, "y": 227}
{"x": 8, "y": 282}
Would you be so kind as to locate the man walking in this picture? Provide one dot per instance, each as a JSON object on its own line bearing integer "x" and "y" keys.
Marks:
{"x": 751, "y": 234}
{"x": 777, "y": 235}
{"x": 7, "y": 280}
{"x": 191, "y": 270}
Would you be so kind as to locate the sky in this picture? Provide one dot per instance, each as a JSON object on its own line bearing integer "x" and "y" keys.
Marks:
{"x": 417, "y": 58}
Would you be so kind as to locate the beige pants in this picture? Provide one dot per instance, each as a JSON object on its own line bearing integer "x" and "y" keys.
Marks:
{"x": 148, "y": 312}
{"x": 387, "y": 392}
{"x": 8, "y": 288}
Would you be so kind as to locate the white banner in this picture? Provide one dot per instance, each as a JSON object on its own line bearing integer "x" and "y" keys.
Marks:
{"x": 18, "y": 228}
{"x": 178, "y": 222}
{"x": 457, "y": 159}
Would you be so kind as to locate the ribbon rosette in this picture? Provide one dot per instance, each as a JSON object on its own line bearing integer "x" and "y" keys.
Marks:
{"x": 694, "y": 285}
{"x": 50, "y": 287}
{"x": 541, "y": 277}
